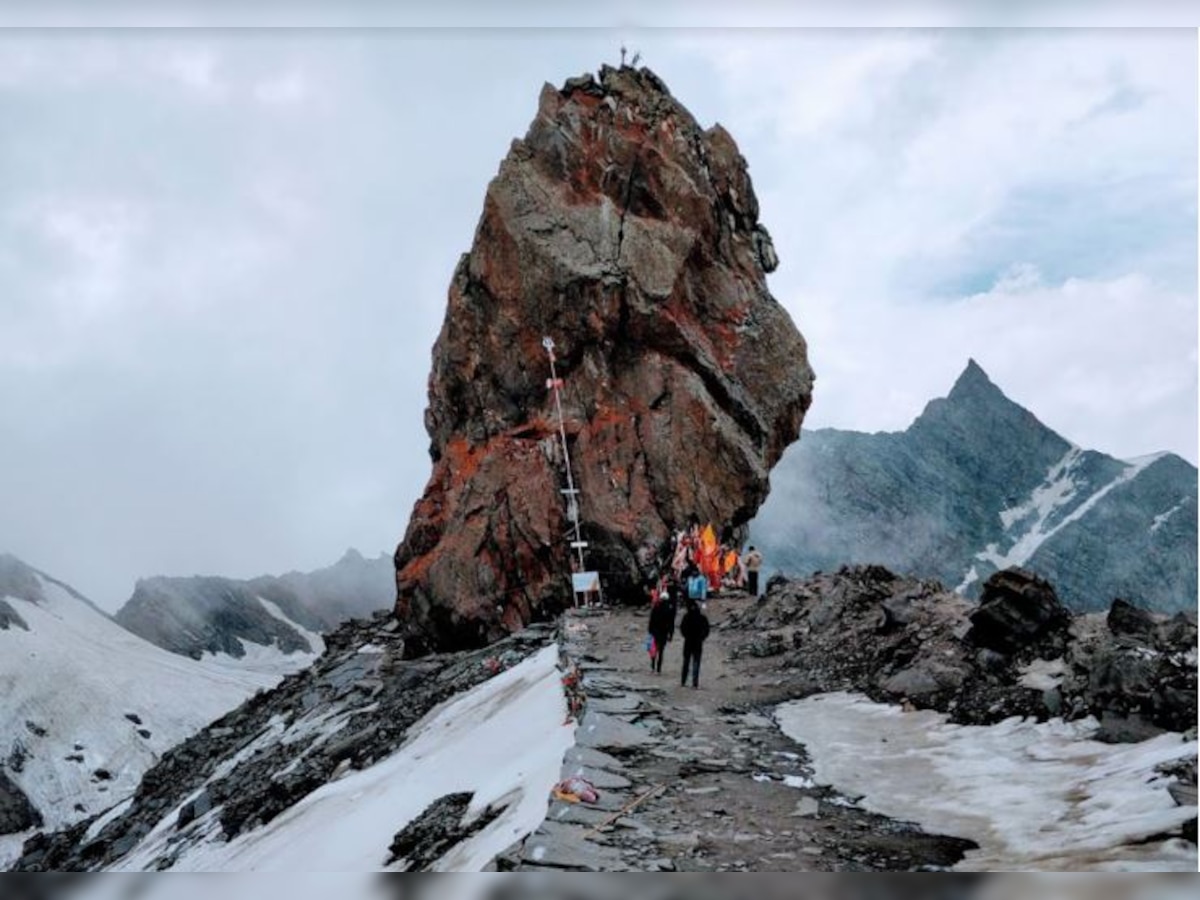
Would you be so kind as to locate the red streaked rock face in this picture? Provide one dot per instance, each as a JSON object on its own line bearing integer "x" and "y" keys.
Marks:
{"x": 630, "y": 236}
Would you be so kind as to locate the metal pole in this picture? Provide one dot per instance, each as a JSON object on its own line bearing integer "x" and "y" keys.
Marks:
{"x": 572, "y": 493}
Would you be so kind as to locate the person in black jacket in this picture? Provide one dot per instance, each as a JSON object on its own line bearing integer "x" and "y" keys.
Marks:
{"x": 662, "y": 627}
{"x": 694, "y": 629}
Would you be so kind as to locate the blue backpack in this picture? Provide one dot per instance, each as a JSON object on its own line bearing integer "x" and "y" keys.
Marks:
{"x": 697, "y": 587}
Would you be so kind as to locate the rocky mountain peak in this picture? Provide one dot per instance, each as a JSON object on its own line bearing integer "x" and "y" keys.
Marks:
{"x": 629, "y": 235}
{"x": 974, "y": 384}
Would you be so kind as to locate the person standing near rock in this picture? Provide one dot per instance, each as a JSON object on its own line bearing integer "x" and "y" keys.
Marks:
{"x": 754, "y": 561}
{"x": 662, "y": 626}
{"x": 694, "y": 629}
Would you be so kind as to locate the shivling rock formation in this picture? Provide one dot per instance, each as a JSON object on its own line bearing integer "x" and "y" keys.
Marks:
{"x": 629, "y": 235}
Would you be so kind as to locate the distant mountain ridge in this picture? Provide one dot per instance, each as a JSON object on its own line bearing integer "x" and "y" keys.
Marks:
{"x": 202, "y": 614}
{"x": 977, "y": 483}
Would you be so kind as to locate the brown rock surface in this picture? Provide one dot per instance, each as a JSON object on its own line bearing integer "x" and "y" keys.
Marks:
{"x": 629, "y": 235}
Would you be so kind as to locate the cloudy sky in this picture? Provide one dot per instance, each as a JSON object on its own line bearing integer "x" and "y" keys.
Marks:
{"x": 224, "y": 254}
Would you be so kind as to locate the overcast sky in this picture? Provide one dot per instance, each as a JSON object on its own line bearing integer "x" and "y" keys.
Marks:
{"x": 224, "y": 255}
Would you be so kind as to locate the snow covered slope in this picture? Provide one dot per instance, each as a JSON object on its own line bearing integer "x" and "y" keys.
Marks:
{"x": 503, "y": 741}
{"x": 86, "y": 707}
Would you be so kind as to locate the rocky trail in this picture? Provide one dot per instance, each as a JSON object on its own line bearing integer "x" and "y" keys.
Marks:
{"x": 700, "y": 779}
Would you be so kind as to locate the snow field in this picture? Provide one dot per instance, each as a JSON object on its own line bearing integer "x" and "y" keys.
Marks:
{"x": 1034, "y": 796}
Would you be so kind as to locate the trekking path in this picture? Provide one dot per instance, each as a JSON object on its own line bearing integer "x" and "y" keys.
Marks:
{"x": 699, "y": 779}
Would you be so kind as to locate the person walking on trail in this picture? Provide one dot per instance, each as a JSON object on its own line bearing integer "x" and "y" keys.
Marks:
{"x": 694, "y": 629}
{"x": 662, "y": 627}
{"x": 754, "y": 561}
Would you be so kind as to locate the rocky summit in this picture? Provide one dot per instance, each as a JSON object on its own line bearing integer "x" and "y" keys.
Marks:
{"x": 629, "y": 235}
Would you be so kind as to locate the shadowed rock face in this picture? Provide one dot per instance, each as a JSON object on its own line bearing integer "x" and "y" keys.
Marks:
{"x": 629, "y": 235}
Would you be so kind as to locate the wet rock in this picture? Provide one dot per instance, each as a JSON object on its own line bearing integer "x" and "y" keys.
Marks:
{"x": 560, "y": 846}
{"x": 1126, "y": 619}
{"x": 611, "y": 734}
{"x": 194, "y": 809}
{"x": 629, "y": 235}
{"x": 1017, "y": 611}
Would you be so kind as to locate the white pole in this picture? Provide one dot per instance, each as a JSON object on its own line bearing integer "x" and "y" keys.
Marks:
{"x": 572, "y": 494}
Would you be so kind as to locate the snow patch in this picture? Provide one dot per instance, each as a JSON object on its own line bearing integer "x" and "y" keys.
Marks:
{"x": 1034, "y": 796}
{"x": 1057, "y": 490}
{"x": 1161, "y": 519}
{"x": 969, "y": 579}
{"x": 1041, "y": 506}
{"x": 1043, "y": 674}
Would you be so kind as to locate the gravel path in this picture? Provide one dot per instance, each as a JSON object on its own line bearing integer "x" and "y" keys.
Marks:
{"x": 699, "y": 779}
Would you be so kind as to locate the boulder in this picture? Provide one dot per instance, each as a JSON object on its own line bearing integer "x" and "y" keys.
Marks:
{"x": 1018, "y": 611}
{"x": 629, "y": 235}
{"x": 1126, "y": 619}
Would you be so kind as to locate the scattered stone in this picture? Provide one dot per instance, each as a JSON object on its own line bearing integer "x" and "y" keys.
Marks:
{"x": 559, "y": 846}
{"x": 604, "y": 732}
{"x": 442, "y": 825}
{"x": 805, "y": 807}
{"x": 17, "y": 756}
{"x": 194, "y": 809}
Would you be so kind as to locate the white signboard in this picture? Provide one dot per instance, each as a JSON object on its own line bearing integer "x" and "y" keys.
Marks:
{"x": 583, "y": 582}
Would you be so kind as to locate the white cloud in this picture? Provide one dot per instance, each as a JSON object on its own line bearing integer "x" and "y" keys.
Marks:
{"x": 283, "y": 89}
{"x": 196, "y": 69}
{"x": 1109, "y": 364}
{"x": 1028, "y": 198}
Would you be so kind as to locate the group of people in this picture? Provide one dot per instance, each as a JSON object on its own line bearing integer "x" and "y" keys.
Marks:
{"x": 719, "y": 562}
{"x": 699, "y": 564}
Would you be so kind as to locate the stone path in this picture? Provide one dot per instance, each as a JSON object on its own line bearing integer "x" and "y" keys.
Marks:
{"x": 698, "y": 780}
